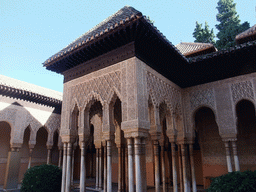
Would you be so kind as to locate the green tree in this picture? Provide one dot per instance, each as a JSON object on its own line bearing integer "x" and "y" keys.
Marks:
{"x": 229, "y": 25}
{"x": 203, "y": 35}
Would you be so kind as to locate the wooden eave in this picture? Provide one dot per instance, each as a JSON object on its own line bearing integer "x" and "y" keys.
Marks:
{"x": 29, "y": 96}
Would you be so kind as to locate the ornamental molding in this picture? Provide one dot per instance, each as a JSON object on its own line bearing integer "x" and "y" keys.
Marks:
{"x": 101, "y": 88}
{"x": 161, "y": 91}
{"x": 242, "y": 90}
{"x": 202, "y": 98}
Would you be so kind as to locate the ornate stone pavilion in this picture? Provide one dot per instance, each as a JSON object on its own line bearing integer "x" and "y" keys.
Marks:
{"x": 29, "y": 129}
{"x": 154, "y": 116}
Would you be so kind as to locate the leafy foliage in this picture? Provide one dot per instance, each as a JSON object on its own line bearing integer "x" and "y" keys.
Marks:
{"x": 203, "y": 35}
{"x": 43, "y": 178}
{"x": 229, "y": 25}
{"x": 234, "y": 182}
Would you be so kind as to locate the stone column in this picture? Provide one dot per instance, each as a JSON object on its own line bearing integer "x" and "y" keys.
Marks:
{"x": 157, "y": 169}
{"x": 12, "y": 168}
{"x": 185, "y": 177}
{"x": 82, "y": 168}
{"x": 97, "y": 169}
{"x": 60, "y": 157}
{"x": 127, "y": 169}
{"x": 139, "y": 169}
{"x": 105, "y": 168}
{"x": 130, "y": 165}
{"x": 30, "y": 157}
{"x": 49, "y": 148}
{"x": 163, "y": 167}
{"x": 180, "y": 168}
{"x": 100, "y": 168}
{"x": 73, "y": 165}
{"x": 192, "y": 167}
{"x": 109, "y": 166}
{"x": 228, "y": 156}
{"x": 174, "y": 168}
{"x": 64, "y": 167}
{"x": 119, "y": 169}
{"x": 237, "y": 167}
{"x": 69, "y": 167}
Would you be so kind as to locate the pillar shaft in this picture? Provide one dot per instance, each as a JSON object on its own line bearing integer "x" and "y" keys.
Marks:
{"x": 163, "y": 168}
{"x": 30, "y": 157}
{"x": 105, "y": 168}
{"x": 180, "y": 168}
{"x": 72, "y": 166}
{"x": 139, "y": 169}
{"x": 157, "y": 169}
{"x": 130, "y": 165}
{"x": 119, "y": 169}
{"x": 69, "y": 167}
{"x": 64, "y": 168}
{"x": 185, "y": 177}
{"x": 193, "y": 174}
{"x": 82, "y": 168}
{"x": 174, "y": 168}
{"x": 229, "y": 165}
{"x": 49, "y": 156}
{"x": 237, "y": 167}
{"x": 109, "y": 167}
{"x": 97, "y": 168}
{"x": 60, "y": 158}
{"x": 100, "y": 168}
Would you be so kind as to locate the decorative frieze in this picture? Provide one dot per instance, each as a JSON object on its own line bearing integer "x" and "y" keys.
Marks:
{"x": 242, "y": 90}
{"x": 202, "y": 97}
{"x": 161, "y": 91}
{"x": 101, "y": 86}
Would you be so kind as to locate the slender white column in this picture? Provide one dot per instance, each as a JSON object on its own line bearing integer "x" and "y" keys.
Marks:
{"x": 72, "y": 166}
{"x": 109, "y": 167}
{"x": 174, "y": 169}
{"x": 105, "y": 168}
{"x": 69, "y": 167}
{"x": 30, "y": 157}
{"x": 228, "y": 156}
{"x": 185, "y": 178}
{"x": 119, "y": 169}
{"x": 100, "y": 168}
{"x": 127, "y": 169}
{"x": 97, "y": 168}
{"x": 130, "y": 165}
{"x": 157, "y": 169}
{"x": 49, "y": 155}
{"x": 180, "y": 168}
{"x": 237, "y": 167}
{"x": 83, "y": 168}
{"x": 64, "y": 168}
{"x": 60, "y": 157}
{"x": 163, "y": 168}
{"x": 192, "y": 167}
{"x": 138, "y": 172}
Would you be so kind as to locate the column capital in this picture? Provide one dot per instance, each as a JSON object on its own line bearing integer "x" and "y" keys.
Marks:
{"x": 227, "y": 139}
{"x": 16, "y": 146}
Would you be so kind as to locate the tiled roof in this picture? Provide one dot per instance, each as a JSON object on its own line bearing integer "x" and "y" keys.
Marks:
{"x": 125, "y": 14}
{"x": 223, "y": 52}
{"x": 28, "y": 87}
{"x": 191, "y": 48}
{"x": 246, "y": 34}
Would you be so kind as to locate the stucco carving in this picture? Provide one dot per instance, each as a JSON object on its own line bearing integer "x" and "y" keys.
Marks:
{"x": 202, "y": 97}
{"x": 242, "y": 90}
{"x": 161, "y": 91}
{"x": 101, "y": 86}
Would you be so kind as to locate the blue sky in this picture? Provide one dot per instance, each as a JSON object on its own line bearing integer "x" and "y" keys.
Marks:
{"x": 33, "y": 30}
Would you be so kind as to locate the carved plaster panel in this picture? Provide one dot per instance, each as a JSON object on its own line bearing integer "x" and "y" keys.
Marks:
{"x": 161, "y": 91}
{"x": 242, "y": 90}
{"x": 202, "y": 97}
{"x": 103, "y": 86}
